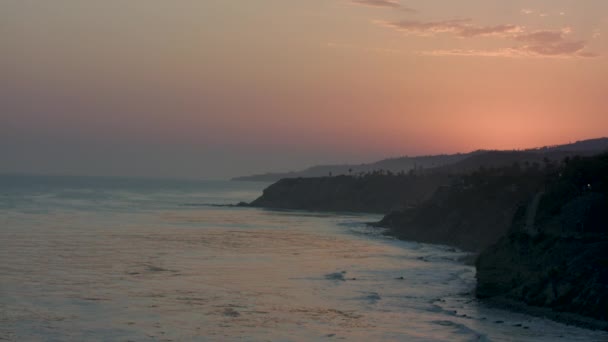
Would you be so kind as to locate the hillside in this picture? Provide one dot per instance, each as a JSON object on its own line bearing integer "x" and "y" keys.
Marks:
{"x": 499, "y": 159}
{"x": 473, "y": 212}
{"x": 395, "y": 165}
{"x": 446, "y": 163}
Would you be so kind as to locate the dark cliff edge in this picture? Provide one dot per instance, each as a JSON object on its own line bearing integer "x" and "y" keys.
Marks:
{"x": 556, "y": 259}
{"x": 373, "y": 193}
{"x": 471, "y": 213}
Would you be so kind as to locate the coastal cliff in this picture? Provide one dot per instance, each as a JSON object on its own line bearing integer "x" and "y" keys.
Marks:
{"x": 541, "y": 231}
{"x": 473, "y": 212}
{"x": 557, "y": 259}
{"x": 372, "y": 193}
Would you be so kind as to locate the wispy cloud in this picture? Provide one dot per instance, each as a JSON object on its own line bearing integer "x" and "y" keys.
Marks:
{"x": 552, "y": 43}
{"x": 543, "y": 43}
{"x": 460, "y": 27}
{"x": 507, "y": 52}
{"x": 543, "y": 37}
{"x": 393, "y": 4}
{"x": 517, "y": 52}
{"x": 497, "y": 30}
{"x": 528, "y": 11}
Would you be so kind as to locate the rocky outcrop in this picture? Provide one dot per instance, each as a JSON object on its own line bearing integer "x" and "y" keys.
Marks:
{"x": 564, "y": 273}
{"x": 375, "y": 193}
{"x": 562, "y": 263}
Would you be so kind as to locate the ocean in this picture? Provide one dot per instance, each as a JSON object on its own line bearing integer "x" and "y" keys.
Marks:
{"x": 111, "y": 259}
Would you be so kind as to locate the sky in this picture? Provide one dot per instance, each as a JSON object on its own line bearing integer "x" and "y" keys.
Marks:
{"x": 222, "y": 88}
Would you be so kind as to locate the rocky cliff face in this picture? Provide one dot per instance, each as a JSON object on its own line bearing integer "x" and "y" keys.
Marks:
{"x": 561, "y": 260}
{"x": 564, "y": 273}
{"x": 472, "y": 213}
{"x": 377, "y": 193}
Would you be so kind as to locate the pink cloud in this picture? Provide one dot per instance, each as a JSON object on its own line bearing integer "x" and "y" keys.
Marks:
{"x": 460, "y": 27}
{"x": 500, "y": 30}
{"x": 565, "y": 51}
{"x": 541, "y": 37}
{"x": 508, "y": 52}
{"x": 552, "y": 43}
{"x": 544, "y": 43}
{"x": 557, "y": 49}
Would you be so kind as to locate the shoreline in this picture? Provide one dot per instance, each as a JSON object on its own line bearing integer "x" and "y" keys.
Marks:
{"x": 567, "y": 318}
{"x": 498, "y": 302}
{"x": 503, "y": 303}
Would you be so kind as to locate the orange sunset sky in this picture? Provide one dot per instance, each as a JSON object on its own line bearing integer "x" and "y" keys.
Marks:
{"x": 220, "y": 88}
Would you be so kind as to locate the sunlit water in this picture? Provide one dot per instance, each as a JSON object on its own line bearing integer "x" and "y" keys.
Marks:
{"x": 117, "y": 260}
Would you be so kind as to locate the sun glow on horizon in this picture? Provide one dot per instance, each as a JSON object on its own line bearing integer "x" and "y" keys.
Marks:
{"x": 310, "y": 81}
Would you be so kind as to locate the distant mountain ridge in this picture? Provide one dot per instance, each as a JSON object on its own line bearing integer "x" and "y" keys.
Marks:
{"x": 455, "y": 163}
{"x": 392, "y": 164}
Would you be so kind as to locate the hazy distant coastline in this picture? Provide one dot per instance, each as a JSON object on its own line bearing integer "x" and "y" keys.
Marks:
{"x": 460, "y": 162}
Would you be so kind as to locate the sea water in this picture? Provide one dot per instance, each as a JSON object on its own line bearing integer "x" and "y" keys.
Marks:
{"x": 107, "y": 259}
